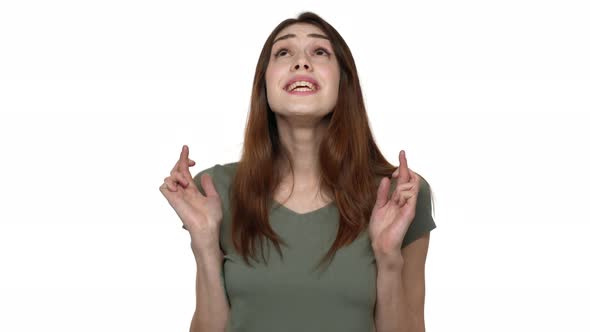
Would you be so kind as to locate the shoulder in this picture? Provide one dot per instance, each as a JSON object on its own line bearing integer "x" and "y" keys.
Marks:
{"x": 424, "y": 185}
{"x": 227, "y": 170}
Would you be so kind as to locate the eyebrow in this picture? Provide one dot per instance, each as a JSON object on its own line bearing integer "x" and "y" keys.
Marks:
{"x": 290, "y": 35}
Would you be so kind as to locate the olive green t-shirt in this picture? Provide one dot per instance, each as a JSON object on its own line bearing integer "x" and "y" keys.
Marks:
{"x": 289, "y": 295}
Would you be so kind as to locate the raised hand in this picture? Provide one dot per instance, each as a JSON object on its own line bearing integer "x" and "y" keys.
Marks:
{"x": 392, "y": 217}
{"x": 200, "y": 215}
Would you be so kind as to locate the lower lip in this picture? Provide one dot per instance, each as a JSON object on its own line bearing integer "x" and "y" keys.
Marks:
{"x": 302, "y": 93}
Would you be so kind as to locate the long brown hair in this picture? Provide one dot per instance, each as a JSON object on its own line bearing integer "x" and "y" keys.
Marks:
{"x": 350, "y": 162}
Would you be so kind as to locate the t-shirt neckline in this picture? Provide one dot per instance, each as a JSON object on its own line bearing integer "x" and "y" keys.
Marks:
{"x": 305, "y": 214}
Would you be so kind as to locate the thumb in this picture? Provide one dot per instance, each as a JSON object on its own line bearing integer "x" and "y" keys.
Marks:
{"x": 382, "y": 192}
{"x": 208, "y": 185}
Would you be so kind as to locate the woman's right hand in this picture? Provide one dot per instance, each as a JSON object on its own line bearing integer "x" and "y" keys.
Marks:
{"x": 200, "y": 215}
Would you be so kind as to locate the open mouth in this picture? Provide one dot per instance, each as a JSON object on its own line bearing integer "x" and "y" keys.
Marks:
{"x": 301, "y": 86}
{"x": 302, "y": 89}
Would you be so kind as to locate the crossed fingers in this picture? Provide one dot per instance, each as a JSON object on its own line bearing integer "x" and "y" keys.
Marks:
{"x": 180, "y": 173}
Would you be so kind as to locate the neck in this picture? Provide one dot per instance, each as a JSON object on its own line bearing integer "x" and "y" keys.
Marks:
{"x": 302, "y": 142}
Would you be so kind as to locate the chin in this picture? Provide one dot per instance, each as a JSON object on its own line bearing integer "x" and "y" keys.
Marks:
{"x": 303, "y": 112}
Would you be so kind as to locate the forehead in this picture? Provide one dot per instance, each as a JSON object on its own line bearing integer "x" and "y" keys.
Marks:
{"x": 301, "y": 31}
{"x": 300, "y": 28}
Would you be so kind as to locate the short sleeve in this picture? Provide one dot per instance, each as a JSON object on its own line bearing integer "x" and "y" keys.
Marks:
{"x": 423, "y": 221}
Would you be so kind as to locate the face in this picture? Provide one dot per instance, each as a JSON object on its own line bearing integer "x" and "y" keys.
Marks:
{"x": 313, "y": 58}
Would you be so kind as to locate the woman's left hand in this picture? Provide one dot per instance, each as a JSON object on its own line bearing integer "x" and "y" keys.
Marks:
{"x": 391, "y": 218}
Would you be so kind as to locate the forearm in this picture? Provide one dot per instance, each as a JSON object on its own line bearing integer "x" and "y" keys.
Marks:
{"x": 212, "y": 309}
{"x": 392, "y": 312}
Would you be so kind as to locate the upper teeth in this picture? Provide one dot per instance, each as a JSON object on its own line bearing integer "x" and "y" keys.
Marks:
{"x": 300, "y": 83}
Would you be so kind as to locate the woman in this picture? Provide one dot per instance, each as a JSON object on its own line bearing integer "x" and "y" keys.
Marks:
{"x": 312, "y": 185}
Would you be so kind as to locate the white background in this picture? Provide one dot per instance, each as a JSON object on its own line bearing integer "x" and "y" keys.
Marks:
{"x": 489, "y": 99}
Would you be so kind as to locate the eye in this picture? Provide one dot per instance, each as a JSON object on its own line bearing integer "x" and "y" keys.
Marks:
{"x": 319, "y": 49}
{"x": 280, "y": 51}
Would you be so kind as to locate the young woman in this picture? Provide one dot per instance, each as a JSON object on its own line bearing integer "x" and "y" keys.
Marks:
{"x": 311, "y": 190}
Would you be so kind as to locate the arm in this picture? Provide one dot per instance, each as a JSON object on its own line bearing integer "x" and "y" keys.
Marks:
{"x": 401, "y": 291}
{"x": 212, "y": 310}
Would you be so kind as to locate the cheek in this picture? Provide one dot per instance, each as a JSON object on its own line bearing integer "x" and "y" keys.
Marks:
{"x": 333, "y": 77}
{"x": 331, "y": 73}
{"x": 271, "y": 77}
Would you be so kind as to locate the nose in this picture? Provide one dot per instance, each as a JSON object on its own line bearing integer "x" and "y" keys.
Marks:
{"x": 301, "y": 62}
{"x": 297, "y": 66}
